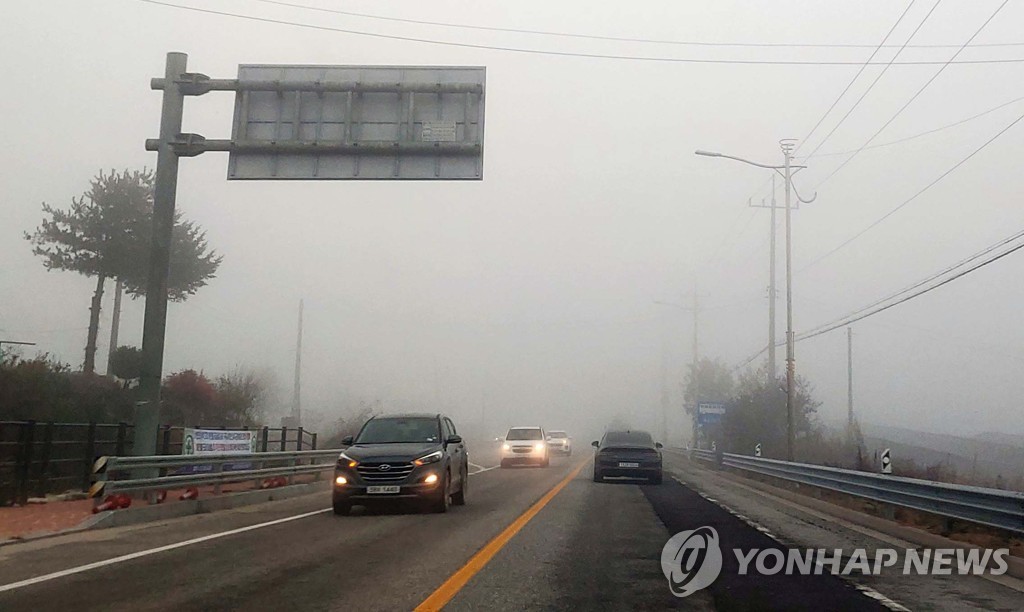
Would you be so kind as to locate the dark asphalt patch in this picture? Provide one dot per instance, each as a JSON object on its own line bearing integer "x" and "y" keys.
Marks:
{"x": 682, "y": 509}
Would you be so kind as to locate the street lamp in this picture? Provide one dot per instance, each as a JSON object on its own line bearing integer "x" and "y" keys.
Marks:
{"x": 787, "y": 170}
{"x": 17, "y": 342}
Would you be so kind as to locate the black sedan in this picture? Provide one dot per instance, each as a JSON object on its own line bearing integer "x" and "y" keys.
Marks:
{"x": 630, "y": 454}
{"x": 405, "y": 457}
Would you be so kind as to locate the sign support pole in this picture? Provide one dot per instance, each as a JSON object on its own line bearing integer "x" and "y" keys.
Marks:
{"x": 147, "y": 411}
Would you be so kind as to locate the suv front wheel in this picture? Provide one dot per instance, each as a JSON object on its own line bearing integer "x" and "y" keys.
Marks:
{"x": 444, "y": 499}
{"x": 342, "y": 507}
{"x": 459, "y": 499}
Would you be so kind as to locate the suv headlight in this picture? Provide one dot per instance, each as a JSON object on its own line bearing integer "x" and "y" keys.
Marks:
{"x": 345, "y": 460}
{"x": 506, "y": 447}
{"x": 538, "y": 446}
{"x": 433, "y": 457}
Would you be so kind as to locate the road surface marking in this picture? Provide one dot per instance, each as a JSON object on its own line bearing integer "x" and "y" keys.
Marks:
{"x": 444, "y": 593}
{"x": 152, "y": 551}
{"x": 480, "y": 469}
{"x": 866, "y": 590}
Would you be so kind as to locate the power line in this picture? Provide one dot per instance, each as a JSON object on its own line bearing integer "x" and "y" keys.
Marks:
{"x": 878, "y": 78}
{"x": 899, "y": 112}
{"x": 859, "y": 72}
{"x": 918, "y": 289}
{"x": 849, "y": 320}
{"x": 524, "y": 50}
{"x": 930, "y": 278}
{"x": 691, "y": 43}
{"x": 927, "y": 132}
{"x": 846, "y": 89}
{"x": 863, "y": 67}
{"x": 913, "y": 197}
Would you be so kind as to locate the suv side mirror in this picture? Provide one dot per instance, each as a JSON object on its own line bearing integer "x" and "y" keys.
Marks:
{"x": 347, "y": 440}
{"x": 456, "y": 439}
{"x": 659, "y": 445}
{"x": 595, "y": 444}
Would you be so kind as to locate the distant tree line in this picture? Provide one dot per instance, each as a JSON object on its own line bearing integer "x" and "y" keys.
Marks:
{"x": 755, "y": 409}
{"x": 44, "y": 389}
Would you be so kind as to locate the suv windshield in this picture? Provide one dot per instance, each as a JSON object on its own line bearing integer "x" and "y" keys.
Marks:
{"x": 628, "y": 437}
{"x": 557, "y": 434}
{"x": 397, "y": 430}
{"x": 526, "y": 433}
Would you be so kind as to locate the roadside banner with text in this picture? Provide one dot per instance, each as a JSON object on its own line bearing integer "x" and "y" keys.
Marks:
{"x": 201, "y": 442}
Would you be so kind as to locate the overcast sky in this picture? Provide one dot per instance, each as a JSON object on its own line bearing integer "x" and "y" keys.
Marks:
{"x": 533, "y": 290}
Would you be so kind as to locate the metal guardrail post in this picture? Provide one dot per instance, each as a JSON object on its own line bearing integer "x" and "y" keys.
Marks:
{"x": 284, "y": 438}
{"x": 266, "y": 438}
{"x": 314, "y": 441}
{"x": 166, "y": 444}
{"x": 298, "y": 439}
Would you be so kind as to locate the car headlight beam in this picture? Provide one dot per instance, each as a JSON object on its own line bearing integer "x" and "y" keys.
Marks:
{"x": 433, "y": 457}
{"x": 346, "y": 460}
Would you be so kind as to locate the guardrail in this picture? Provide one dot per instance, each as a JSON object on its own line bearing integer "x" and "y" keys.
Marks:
{"x": 288, "y": 464}
{"x": 992, "y": 507}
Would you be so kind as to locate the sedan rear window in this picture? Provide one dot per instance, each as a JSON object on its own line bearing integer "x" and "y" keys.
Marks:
{"x": 628, "y": 437}
{"x": 524, "y": 434}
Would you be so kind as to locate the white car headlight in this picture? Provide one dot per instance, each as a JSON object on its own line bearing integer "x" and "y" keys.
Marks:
{"x": 538, "y": 446}
{"x": 505, "y": 447}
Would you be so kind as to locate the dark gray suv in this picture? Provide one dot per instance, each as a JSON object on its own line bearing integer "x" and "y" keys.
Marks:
{"x": 410, "y": 457}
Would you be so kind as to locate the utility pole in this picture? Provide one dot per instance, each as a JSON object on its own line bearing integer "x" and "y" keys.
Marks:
{"x": 772, "y": 292}
{"x": 787, "y": 151}
{"x": 115, "y": 324}
{"x": 296, "y": 393}
{"x": 696, "y": 364}
{"x": 772, "y": 296}
{"x": 786, "y": 170}
{"x": 664, "y": 388}
{"x": 849, "y": 383}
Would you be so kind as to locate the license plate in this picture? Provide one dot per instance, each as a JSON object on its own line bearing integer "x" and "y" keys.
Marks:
{"x": 623, "y": 464}
{"x": 383, "y": 489}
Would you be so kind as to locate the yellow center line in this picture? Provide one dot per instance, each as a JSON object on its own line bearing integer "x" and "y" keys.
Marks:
{"x": 444, "y": 593}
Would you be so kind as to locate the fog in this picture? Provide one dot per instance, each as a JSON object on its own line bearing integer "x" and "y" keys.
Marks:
{"x": 529, "y": 297}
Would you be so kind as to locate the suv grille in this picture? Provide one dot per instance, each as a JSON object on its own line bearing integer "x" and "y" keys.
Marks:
{"x": 372, "y": 472}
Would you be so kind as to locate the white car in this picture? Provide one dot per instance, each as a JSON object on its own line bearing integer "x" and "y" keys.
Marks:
{"x": 559, "y": 442}
{"x": 525, "y": 445}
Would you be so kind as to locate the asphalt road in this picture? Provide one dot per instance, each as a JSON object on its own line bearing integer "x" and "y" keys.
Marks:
{"x": 592, "y": 546}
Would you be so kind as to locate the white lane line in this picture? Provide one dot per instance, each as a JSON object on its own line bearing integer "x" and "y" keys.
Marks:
{"x": 152, "y": 551}
{"x": 866, "y": 590}
{"x": 480, "y": 469}
{"x": 145, "y": 553}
